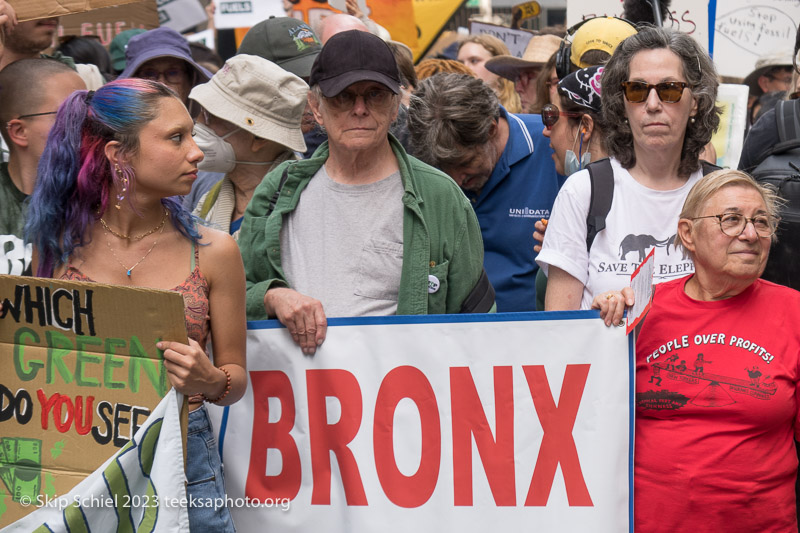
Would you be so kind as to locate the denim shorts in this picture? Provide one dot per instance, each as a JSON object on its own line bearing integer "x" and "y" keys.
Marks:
{"x": 205, "y": 488}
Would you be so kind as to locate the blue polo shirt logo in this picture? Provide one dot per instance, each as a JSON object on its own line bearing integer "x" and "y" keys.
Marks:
{"x": 527, "y": 212}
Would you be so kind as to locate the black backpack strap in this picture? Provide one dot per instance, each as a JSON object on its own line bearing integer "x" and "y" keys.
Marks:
{"x": 274, "y": 200}
{"x": 601, "y": 176}
{"x": 481, "y": 298}
{"x": 787, "y": 114}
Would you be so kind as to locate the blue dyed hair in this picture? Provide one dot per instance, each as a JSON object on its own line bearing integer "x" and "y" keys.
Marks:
{"x": 75, "y": 178}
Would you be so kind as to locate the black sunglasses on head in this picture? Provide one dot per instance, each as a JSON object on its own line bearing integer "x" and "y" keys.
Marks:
{"x": 669, "y": 92}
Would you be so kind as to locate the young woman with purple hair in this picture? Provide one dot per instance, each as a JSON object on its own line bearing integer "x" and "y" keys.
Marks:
{"x": 103, "y": 211}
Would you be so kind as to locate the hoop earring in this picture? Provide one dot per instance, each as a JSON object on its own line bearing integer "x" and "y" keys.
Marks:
{"x": 123, "y": 179}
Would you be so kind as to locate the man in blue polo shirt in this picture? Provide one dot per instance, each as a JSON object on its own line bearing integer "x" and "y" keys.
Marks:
{"x": 504, "y": 165}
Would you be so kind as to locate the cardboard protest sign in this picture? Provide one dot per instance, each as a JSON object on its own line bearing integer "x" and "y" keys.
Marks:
{"x": 79, "y": 374}
{"x": 466, "y": 423}
{"x": 37, "y": 9}
{"x": 142, "y": 485}
{"x": 108, "y": 22}
{"x": 515, "y": 40}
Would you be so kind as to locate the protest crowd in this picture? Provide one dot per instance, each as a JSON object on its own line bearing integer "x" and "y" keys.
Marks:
{"x": 339, "y": 179}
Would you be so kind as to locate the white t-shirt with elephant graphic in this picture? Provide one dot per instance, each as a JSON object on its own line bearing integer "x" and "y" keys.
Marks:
{"x": 640, "y": 219}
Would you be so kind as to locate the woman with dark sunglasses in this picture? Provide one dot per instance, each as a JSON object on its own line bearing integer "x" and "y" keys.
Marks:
{"x": 658, "y": 113}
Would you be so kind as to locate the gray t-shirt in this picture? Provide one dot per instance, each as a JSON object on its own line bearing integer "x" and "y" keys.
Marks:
{"x": 343, "y": 245}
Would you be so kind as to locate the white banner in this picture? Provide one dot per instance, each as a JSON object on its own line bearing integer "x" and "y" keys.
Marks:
{"x": 245, "y": 13}
{"x": 440, "y": 423}
{"x": 140, "y": 488}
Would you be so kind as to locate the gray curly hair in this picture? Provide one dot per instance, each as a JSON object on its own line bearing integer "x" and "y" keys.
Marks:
{"x": 700, "y": 74}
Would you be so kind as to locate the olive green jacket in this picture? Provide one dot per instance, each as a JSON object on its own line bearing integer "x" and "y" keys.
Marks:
{"x": 441, "y": 236}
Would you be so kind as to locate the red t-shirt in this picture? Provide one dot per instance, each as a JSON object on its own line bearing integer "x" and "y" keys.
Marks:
{"x": 716, "y": 412}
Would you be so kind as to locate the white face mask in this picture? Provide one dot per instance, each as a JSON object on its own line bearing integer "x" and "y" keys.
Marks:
{"x": 219, "y": 155}
{"x": 573, "y": 163}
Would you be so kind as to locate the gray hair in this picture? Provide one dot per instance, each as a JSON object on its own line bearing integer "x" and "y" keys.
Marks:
{"x": 700, "y": 74}
{"x": 448, "y": 116}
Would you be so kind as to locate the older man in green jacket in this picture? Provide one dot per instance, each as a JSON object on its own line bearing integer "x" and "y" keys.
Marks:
{"x": 361, "y": 228}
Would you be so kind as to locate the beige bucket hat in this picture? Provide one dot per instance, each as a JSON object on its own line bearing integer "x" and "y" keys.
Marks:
{"x": 258, "y": 96}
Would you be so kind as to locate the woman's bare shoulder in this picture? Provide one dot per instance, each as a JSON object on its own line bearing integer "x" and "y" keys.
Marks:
{"x": 218, "y": 252}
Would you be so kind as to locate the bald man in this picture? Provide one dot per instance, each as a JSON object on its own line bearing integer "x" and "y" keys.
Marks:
{"x": 330, "y": 26}
{"x": 31, "y": 90}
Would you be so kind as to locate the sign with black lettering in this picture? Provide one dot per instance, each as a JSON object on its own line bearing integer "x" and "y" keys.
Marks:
{"x": 245, "y": 13}
{"x": 79, "y": 374}
{"x": 515, "y": 40}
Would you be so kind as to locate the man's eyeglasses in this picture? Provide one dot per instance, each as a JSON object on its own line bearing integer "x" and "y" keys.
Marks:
{"x": 171, "y": 75}
{"x": 31, "y": 115}
{"x": 37, "y": 114}
{"x": 733, "y": 224}
{"x": 669, "y": 92}
{"x": 374, "y": 99}
{"x": 550, "y": 114}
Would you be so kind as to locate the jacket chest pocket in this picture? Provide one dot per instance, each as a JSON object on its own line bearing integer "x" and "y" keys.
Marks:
{"x": 379, "y": 269}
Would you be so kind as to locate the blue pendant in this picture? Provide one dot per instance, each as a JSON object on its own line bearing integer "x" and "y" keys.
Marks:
{"x": 129, "y": 273}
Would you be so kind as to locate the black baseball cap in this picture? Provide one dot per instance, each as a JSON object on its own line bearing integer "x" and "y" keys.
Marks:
{"x": 286, "y": 41}
{"x": 352, "y": 56}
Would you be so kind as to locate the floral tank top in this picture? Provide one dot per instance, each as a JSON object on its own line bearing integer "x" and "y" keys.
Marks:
{"x": 194, "y": 290}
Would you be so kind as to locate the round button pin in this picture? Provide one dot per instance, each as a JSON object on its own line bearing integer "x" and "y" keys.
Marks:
{"x": 433, "y": 284}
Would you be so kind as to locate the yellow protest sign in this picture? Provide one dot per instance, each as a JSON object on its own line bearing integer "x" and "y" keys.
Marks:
{"x": 430, "y": 17}
{"x": 525, "y": 11}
